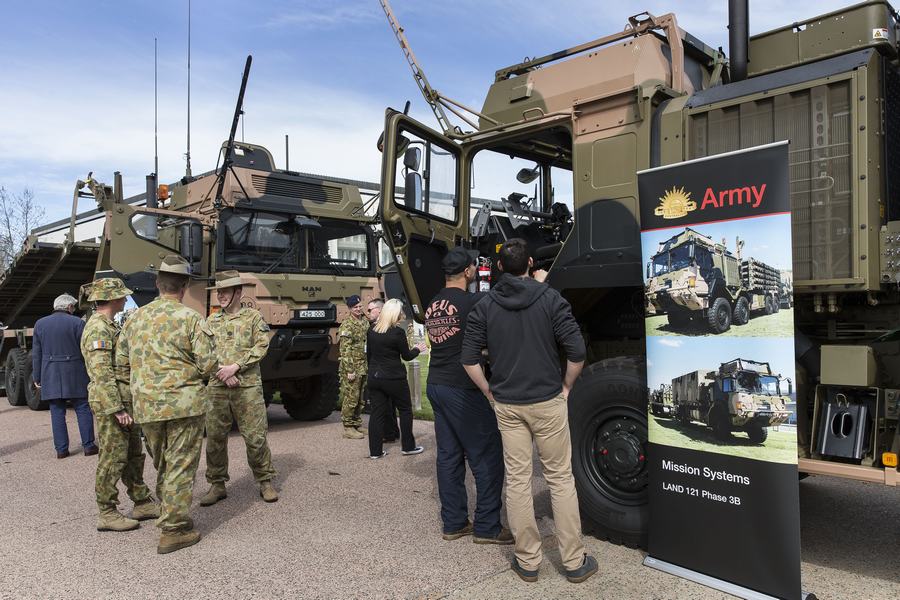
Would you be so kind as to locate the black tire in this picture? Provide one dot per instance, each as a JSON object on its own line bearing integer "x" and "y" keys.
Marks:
{"x": 757, "y": 434}
{"x": 608, "y": 411}
{"x": 683, "y": 415}
{"x": 32, "y": 394}
{"x": 776, "y": 304}
{"x": 741, "y": 313}
{"x": 720, "y": 423}
{"x": 316, "y": 402}
{"x": 719, "y": 316}
{"x": 769, "y": 309}
{"x": 15, "y": 377}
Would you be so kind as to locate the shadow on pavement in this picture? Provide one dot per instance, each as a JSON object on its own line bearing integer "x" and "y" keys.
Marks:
{"x": 23, "y": 445}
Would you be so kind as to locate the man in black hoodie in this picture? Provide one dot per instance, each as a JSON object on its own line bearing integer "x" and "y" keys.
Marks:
{"x": 523, "y": 323}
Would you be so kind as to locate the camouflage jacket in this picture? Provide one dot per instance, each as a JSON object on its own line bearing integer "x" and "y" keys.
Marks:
{"x": 98, "y": 344}
{"x": 241, "y": 338}
{"x": 166, "y": 351}
{"x": 352, "y": 336}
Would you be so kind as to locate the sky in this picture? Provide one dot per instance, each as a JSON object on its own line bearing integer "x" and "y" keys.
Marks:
{"x": 78, "y": 79}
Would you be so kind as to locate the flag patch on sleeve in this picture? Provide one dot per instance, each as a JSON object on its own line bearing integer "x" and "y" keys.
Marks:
{"x": 101, "y": 345}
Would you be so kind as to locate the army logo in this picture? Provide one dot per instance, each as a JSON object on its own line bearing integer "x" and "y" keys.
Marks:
{"x": 675, "y": 204}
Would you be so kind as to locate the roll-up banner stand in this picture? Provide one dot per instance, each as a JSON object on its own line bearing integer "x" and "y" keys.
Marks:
{"x": 724, "y": 499}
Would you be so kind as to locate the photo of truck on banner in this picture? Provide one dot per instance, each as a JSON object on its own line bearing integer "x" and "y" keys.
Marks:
{"x": 720, "y": 372}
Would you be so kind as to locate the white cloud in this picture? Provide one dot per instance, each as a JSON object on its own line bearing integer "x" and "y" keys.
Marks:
{"x": 670, "y": 343}
{"x": 326, "y": 14}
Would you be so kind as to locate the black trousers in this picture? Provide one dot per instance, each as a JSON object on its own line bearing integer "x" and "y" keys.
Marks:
{"x": 385, "y": 395}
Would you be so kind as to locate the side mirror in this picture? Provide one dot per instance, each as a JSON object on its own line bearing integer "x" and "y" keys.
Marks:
{"x": 412, "y": 192}
{"x": 528, "y": 175}
{"x": 412, "y": 158}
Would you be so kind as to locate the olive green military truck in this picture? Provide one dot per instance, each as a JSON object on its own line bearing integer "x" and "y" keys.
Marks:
{"x": 661, "y": 401}
{"x": 740, "y": 395}
{"x": 301, "y": 243}
{"x": 693, "y": 278}
{"x": 557, "y": 144}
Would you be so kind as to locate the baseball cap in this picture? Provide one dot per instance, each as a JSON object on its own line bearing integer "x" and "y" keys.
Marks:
{"x": 352, "y": 301}
{"x": 457, "y": 259}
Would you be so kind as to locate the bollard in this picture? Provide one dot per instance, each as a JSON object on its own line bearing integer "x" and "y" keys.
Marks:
{"x": 415, "y": 383}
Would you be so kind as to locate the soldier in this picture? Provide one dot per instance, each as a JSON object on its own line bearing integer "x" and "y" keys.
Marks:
{"x": 352, "y": 369}
{"x": 166, "y": 351}
{"x": 242, "y": 339}
{"x": 121, "y": 452}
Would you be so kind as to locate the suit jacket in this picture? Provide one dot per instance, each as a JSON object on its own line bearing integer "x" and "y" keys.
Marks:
{"x": 56, "y": 360}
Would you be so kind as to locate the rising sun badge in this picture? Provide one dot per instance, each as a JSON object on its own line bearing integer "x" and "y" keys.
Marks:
{"x": 675, "y": 204}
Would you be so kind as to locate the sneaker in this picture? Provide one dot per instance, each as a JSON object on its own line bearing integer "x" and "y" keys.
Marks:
{"x": 584, "y": 572}
{"x": 503, "y": 538}
{"x": 416, "y": 450}
{"x": 376, "y": 457}
{"x": 91, "y": 451}
{"x": 455, "y": 535}
{"x": 524, "y": 574}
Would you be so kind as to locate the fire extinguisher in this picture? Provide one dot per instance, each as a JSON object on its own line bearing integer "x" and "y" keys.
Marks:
{"x": 483, "y": 274}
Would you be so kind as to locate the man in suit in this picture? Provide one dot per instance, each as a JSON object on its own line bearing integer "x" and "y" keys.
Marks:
{"x": 58, "y": 371}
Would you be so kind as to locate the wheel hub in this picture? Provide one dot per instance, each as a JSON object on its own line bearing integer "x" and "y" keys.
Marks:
{"x": 619, "y": 454}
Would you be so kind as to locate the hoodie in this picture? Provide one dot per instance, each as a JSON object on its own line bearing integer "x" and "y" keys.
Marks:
{"x": 523, "y": 324}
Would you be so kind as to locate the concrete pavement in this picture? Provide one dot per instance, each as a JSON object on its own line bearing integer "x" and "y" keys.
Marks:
{"x": 349, "y": 527}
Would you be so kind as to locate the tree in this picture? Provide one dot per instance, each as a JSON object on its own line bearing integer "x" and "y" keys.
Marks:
{"x": 19, "y": 214}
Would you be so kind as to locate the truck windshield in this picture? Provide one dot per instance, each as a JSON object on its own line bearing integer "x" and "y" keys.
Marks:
{"x": 675, "y": 259}
{"x": 755, "y": 383}
{"x": 268, "y": 242}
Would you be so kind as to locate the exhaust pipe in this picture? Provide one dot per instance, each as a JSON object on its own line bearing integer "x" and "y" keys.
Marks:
{"x": 738, "y": 38}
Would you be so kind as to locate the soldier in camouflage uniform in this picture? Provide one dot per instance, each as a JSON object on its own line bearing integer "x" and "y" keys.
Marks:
{"x": 121, "y": 451}
{"x": 166, "y": 351}
{"x": 242, "y": 339}
{"x": 352, "y": 368}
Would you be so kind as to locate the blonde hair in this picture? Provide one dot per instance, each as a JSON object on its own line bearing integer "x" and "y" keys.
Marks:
{"x": 390, "y": 315}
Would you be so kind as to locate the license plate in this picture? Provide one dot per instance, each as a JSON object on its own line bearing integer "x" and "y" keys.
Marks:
{"x": 311, "y": 314}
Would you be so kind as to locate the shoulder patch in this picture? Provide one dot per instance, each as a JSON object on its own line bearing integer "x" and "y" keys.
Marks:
{"x": 101, "y": 345}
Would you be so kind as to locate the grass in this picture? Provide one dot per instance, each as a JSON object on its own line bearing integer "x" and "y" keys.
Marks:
{"x": 780, "y": 446}
{"x": 780, "y": 324}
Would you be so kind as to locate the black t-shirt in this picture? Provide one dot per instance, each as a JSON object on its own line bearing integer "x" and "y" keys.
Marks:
{"x": 445, "y": 322}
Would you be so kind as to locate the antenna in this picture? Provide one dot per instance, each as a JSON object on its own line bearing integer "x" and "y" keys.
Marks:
{"x": 287, "y": 154}
{"x": 155, "y": 111}
{"x": 187, "y": 155}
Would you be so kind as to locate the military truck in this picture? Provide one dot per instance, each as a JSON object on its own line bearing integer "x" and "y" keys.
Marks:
{"x": 302, "y": 244}
{"x": 693, "y": 278}
{"x": 582, "y": 121}
{"x": 741, "y": 394}
{"x": 661, "y": 402}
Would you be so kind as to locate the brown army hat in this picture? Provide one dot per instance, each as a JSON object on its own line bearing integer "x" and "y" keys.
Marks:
{"x": 108, "y": 288}
{"x": 175, "y": 265}
{"x": 226, "y": 279}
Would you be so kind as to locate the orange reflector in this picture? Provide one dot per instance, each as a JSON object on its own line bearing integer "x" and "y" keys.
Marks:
{"x": 163, "y": 192}
{"x": 889, "y": 459}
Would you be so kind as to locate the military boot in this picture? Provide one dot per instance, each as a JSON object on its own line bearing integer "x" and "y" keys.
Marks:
{"x": 216, "y": 492}
{"x": 352, "y": 434}
{"x": 148, "y": 509}
{"x": 362, "y": 429}
{"x": 170, "y": 542}
{"x": 267, "y": 491}
{"x": 113, "y": 520}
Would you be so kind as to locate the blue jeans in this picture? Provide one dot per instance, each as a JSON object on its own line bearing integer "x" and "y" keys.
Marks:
{"x": 466, "y": 428}
{"x": 58, "y": 422}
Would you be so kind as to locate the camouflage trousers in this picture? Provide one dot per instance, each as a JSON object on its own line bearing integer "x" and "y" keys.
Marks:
{"x": 246, "y": 406}
{"x": 174, "y": 446}
{"x": 352, "y": 400}
{"x": 121, "y": 457}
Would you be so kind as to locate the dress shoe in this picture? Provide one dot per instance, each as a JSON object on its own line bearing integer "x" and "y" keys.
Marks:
{"x": 63, "y": 454}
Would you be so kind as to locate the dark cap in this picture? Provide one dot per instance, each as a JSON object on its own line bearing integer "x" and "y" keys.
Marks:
{"x": 458, "y": 259}
{"x": 352, "y": 301}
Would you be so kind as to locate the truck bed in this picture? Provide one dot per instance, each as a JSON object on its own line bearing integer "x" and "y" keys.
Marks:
{"x": 38, "y": 274}
{"x": 759, "y": 276}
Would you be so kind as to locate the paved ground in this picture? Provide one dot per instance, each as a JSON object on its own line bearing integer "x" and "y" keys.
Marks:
{"x": 349, "y": 527}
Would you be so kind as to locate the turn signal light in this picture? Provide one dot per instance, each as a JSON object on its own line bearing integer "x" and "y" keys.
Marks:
{"x": 889, "y": 459}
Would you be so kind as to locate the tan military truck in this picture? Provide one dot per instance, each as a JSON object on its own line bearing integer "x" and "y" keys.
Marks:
{"x": 741, "y": 395}
{"x": 693, "y": 278}
{"x": 581, "y": 122}
{"x": 661, "y": 401}
{"x": 302, "y": 245}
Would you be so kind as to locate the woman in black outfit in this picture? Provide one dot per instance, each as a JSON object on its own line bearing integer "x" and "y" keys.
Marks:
{"x": 385, "y": 346}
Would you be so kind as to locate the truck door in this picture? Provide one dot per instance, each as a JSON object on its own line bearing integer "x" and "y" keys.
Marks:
{"x": 424, "y": 205}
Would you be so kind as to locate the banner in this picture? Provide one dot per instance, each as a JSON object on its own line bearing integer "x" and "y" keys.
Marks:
{"x": 724, "y": 499}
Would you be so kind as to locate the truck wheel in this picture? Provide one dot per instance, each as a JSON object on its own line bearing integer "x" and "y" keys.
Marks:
{"x": 684, "y": 415}
{"x": 721, "y": 423}
{"x": 32, "y": 394}
{"x": 15, "y": 377}
{"x": 776, "y": 305}
{"x": 741, "y": 313}
{"x": 719, "y": 316}
{"x": 608, "y": 421}
{"x": 757, "y": 434}
{"x": 769, "y": 309}
{"x": 316, "y": 401}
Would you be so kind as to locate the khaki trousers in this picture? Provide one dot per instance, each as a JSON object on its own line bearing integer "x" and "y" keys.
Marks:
{"x": 546, "y": 424}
